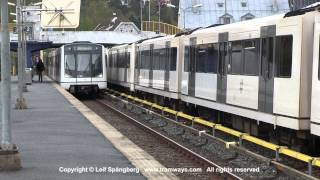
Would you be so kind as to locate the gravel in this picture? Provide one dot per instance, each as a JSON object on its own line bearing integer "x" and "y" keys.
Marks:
{"x": 161, "y": 151}
{"x": 211, "y": 149}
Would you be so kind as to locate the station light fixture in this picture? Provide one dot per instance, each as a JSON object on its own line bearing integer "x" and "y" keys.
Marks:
{"x": 11, "y": 4}
{"x": 37, "y": 4}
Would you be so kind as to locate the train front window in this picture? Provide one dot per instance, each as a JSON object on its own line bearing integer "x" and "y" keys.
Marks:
{"x": 83, "y": 61}
{"x": 96, "y": 65}
{"x": 83, "y": 65}
{"x": 70, "y": 66}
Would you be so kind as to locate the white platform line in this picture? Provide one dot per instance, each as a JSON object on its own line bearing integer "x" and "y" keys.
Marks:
{"x": 137, "y": 156}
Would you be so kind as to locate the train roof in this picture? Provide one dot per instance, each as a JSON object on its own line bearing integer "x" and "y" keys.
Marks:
{"x": 310, "y": 8}
{"x": 254, "y": 22}
{"x": 240, "y": 25}
{"x": 162, "y": 38}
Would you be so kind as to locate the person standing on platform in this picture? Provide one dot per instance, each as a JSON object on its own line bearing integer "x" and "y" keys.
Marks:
{"x": 40, "y": 69}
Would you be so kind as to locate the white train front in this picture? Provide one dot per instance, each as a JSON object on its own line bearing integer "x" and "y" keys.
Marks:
{"x": 79, "y": 67}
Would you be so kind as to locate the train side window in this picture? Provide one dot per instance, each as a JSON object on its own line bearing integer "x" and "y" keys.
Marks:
{"x": 173, "y": 59}
{"x": 139, "y": 59}
{"x": 162, "y": 59}
{"x": 251, "y": 63}
{"x": 119, "y": 61}
{"x": 142, "y": 62}
{"x": 201, "y": 58}
{"x": 186, "y": 58}
{"x": 123, "y": 60}
{"x": 115, "y": 59}
{"x": 212, "y": 59}
{"x": 70, "y": 65}
{"x": 155, "y": 60}
{"x": 236, "y": 57}
{"x": 128, "y": 59}
{"x": 110, "y": 59}
{"x": 283, "y": 62}
{"x": 145, "y": 59}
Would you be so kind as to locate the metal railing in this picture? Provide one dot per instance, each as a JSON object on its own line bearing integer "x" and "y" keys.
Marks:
{"x": 161, "y": 27}
{"x": 11, "y": 26}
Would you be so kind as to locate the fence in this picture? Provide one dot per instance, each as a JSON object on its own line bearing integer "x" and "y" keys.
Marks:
{"x": 160, "y": 27}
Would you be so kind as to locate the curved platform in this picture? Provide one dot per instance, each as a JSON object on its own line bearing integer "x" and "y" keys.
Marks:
{"x": 57, "y": 141}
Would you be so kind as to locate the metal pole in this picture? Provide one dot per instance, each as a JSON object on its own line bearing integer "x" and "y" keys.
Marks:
{"x": 225, "y": 6}
{"x": 149, "y": 10}
{"x": 149, "y": 28}
{"x": 184, "y": 18}
{"x": 159, "y": 16}
{"x": 20, "y": 101}
{"x": 24, "y": 49}
{"x": 6, "y": 141}
{"x": 141, "y": 24}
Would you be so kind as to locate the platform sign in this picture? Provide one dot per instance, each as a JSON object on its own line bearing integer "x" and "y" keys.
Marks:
{"x": 60, "y": 13}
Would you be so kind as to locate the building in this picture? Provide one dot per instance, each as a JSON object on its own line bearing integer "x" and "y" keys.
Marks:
{"x": 297, "y": 4}
{"x": 126, "y": 27}
{"x": 202, "y": 13}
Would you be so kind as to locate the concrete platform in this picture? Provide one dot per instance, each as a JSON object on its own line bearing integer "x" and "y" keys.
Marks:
{"x": 53, "y": 137}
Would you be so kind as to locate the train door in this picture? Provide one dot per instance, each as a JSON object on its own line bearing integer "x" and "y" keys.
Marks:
{"x": 315, "y": 97}
{"x": 83, "y": 66}
{"x": 266, "y": 79}
{"x": 137, "y": 65}
{"x": 192, "y": 67}
{"x": 117, "y": 67}
{"x": 150, "y": 58}
{"x": 222, "y": 68}
{"x": 167, "y": 66}
{"x": 125, "y": 65}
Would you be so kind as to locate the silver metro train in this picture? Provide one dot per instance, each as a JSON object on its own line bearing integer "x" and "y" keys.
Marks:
{"x": 79, "y": 67}
{"x": 259, "y": 76}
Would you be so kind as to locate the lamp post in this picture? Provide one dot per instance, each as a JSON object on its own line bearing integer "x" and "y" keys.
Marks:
{"x": 159, "y": 5}
{"x": 20, "y": 101}
{"x": 141, "y": 23}
{"x": 10, "y": 158}
{"x": 6, "y": 140}
{"x": 159, "y": 20}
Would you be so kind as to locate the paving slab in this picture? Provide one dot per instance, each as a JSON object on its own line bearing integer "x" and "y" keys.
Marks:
{"x": 55, "y": 140}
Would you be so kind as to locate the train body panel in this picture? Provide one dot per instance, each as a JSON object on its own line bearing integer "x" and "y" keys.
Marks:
{"x": 119, "y": 65}
{"x": 258, "y": 69}
{"x": 315, "y": 101}
{"x": 244, "y": 84}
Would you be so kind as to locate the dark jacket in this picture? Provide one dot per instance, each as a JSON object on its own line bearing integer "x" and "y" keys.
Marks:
{"x": 40, "y": 66}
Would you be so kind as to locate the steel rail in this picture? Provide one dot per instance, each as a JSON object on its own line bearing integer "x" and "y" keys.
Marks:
{"x": 281, "y": 167}
{"x": 170, "y": 142}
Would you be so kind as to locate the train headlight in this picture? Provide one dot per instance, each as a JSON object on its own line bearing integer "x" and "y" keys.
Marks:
{"x": 100, "y": 75}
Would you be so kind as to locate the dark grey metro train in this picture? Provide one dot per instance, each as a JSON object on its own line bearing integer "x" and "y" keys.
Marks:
{"x": 79, "y": 67}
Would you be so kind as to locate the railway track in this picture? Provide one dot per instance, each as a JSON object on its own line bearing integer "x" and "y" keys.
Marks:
{"x": 188, "y": 153}
{"x": 283, "y": 171}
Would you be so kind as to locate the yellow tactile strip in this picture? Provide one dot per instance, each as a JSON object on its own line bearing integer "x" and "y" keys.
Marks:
{"x": 137, "y": 156}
